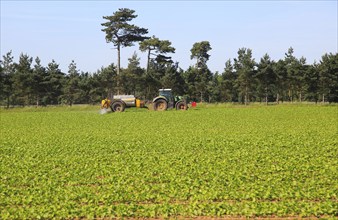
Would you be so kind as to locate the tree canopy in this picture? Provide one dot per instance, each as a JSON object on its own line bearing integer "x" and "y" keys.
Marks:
{"x": 200, "y": 51}
{"x": 159, "y": 48}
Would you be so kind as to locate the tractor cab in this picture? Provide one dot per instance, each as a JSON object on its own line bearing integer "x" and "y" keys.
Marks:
{"x": 166, "y": 93}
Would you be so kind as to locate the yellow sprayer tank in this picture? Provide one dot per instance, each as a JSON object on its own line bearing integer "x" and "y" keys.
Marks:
{"x": 119, "y": 102}
{"x": 138, "y": 103}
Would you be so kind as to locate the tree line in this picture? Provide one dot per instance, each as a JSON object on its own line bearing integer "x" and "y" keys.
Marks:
{"x": 243, "y": 79}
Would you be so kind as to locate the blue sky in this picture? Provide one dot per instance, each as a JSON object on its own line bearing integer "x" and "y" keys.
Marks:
{"x": 71, "y": 30}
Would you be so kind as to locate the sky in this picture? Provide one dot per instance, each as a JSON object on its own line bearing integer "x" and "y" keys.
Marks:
{"x": 71, "y": 30}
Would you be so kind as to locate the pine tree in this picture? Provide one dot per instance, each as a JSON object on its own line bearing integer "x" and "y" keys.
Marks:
{"x": 281, "y": 81}
{"x": 328, "y": 78}
{"x": 133, "y": 77}
{"x": 39, "y": 72}
{"x": 199, "y": 52}
{"x": 22, "y": 80}
{"x": 53, "y": 84}
{"x": 244, "y": 66}
{"x": 121, "y": 33}
{"x": 71, "y": 91}
{"x": 265, "y": 77}
{"x": 7, "y": 73}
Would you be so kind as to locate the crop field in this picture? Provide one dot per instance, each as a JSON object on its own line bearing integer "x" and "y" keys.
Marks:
{"x": 216, "y": 161}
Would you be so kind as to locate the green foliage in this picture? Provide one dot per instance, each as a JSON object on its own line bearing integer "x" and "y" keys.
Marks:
{"x": 199, "y": 51}
{"x": 328, "y": 77}
{"x": 71, "y": 88}
{"x": 22, "y": 79}
{"x": 281, "y": 79}
{"x": 227, "y": 83}
{"x": 155, "y": 46}
{"x": 119, "y": 31}
{"x": 68, "y": 163}
{"x": 133, "y": 77}
{"x": 266, "y": 78}
{"x": 38, "y": 75}
{"x": 53, "y": 83}
{"x": 245, "y": 68}
{"x": 6, "y": 79}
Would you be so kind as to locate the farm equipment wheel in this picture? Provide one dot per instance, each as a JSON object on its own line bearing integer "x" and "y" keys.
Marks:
{"x": 117, "y": 107}
{"x": 181, "y": 106}
{"x": 160, "y": 105}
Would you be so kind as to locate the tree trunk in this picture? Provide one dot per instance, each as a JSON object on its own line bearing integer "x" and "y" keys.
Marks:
{"x": 118, "y": 59}
{"x": 8, "y": 102}
{"x": 300, "y": 96}
{"x": 266, "y": 95}
{"x": 277, "y": 98}
{"x": 118, "y": 68}
{"x": 246, "y": 96}
{"x": 37, "y": 101}
{"x": 323, "y": 99}
{"x": 148, "y": 61}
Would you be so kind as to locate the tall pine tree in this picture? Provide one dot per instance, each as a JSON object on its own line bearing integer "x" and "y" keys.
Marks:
{"x": 245, "y": 68}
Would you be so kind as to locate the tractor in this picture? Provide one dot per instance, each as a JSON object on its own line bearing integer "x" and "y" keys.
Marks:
{"x": 166, "y": 100}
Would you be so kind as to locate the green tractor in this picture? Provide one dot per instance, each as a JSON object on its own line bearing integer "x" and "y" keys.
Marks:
{"x": 166, "y": 100}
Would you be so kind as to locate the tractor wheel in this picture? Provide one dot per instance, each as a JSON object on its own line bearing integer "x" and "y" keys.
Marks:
{"x": 117, "y": 107}
{"x": 181, "y": 106}
{"x": 160, "y": 105}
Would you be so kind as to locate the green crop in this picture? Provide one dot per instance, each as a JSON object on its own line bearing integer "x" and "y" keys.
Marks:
{"x": 220, "y": 161}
